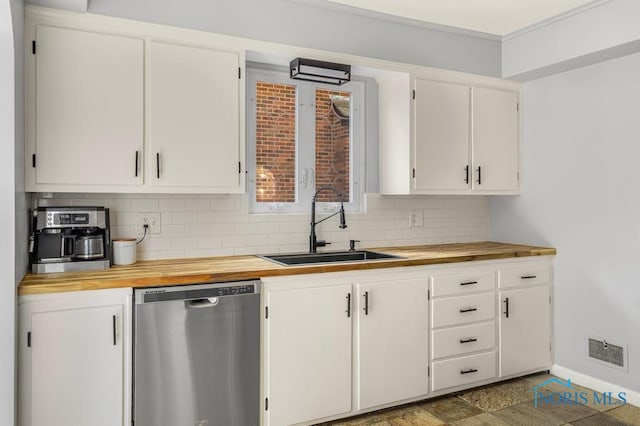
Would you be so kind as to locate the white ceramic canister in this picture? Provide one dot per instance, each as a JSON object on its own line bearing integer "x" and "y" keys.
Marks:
{"x": 124, "y": 251}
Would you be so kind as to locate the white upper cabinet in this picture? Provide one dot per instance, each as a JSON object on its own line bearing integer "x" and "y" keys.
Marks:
{"x": 460, "y": 134}
{"x": 441, "y": 142}
{"x": 192, "y": 112}
{"x": 465, "y": 139}
{"x": 495, "y": 140}
{"x": 88, "y": 94}
{"x": 124, "y": 106}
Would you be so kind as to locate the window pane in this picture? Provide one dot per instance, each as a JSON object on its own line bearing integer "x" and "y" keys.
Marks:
{"x": 333, "y": 142}
{"x": 275, "y": 142}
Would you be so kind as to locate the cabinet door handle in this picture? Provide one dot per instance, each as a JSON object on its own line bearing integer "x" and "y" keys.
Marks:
{"x": 158, "y": 165}
{"x": 528, "y": 277}
{"x": 114, "y": 330}
{"x": 506, "y": 307}
{"x": 469, "y": 371}
{"x": 137, "y": 154}
{"x": 466, "y": 174}
{"x": 469, "y": 283}
{"x": 462, "y": 311}
{"x": 366, "y": 303}
{"x": 469, "y": 340}
{"x": 479, "y": 175}
{"x": 348, "y": 297}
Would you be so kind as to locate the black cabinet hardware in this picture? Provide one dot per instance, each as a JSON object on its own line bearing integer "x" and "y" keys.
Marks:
{"x": 466, "y": 174}
{"x": 469, "y": 340}
{"x": 137, "y": 155}
{"x": 469, "y": 283}
{"x": 348, "y": 305}
{"x": 114, "y": 330}
{"x": 479, "y": 175}
{"x": 462, "y": 311}
{"x": 33, "y": 47}
{"x": 506, "y": 307}
{"x": 528, "y": 277}
{"x": 158, "y": 164}
{"x": 33, "y": 161}
{"x": 29, "y": 339}
{"x": 366, "y": 303}
{"x": 471, "y": 370}
{"x": 413, "y": 174}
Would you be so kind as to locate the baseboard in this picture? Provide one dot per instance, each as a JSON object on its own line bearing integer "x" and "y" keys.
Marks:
{"x": 601, "y": 386}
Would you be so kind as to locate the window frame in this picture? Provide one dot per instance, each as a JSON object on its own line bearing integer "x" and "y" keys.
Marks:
{"x": 305, "y": 154}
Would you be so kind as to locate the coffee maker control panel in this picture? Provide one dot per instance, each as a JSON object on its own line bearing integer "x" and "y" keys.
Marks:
{"x": 52, "y": 218}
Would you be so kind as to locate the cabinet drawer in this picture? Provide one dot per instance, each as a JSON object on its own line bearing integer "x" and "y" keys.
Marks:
{"x": 463, "y": 340}
{"x": 524, "y": 276}
{"x": 463, "y": 283}
{"x": 463, "y": 370}
{"x": 463, "y": 309}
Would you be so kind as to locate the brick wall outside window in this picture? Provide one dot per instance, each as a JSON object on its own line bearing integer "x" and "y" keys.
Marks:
{"x": 275, "y": 142}
{"x": 332, "y": 147}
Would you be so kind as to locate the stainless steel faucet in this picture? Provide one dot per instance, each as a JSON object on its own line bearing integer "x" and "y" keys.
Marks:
{"x": 314, "y": 243}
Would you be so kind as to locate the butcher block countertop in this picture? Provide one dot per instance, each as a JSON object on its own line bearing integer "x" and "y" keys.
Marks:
{"x": 230, "y": 268}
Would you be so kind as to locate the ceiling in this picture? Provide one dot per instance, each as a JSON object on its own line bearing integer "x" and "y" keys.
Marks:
{"x": 496, "y": 17}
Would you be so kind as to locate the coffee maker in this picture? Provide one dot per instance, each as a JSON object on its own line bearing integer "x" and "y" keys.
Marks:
{"x": 69, "y": 239}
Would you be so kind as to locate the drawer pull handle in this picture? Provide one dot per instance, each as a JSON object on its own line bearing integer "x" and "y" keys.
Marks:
{"x": 469, "y": 340}
{"x": 469, "y": 371}
{"x": 469, "y": 283}
{"x": 366, "y": 303}
{"x": 528, "y": 277}
{"x": 506, "y": 307}
{"x": 462, "y": 311}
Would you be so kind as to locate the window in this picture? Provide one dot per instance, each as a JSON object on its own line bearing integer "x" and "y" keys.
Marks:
{"x": 303, "y": 136}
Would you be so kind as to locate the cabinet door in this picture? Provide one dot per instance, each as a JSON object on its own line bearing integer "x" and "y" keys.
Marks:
{"x": 525, "y": 332}
{"x": 441, "y": 136}
{"x": 392, "y": 341}
{"x": 308, "y": 354}
{"x": 77, "y": 367}
{"x": 193, "y": 117}
{"x": 495, "y": 140}
{"x": 89, "y": 112}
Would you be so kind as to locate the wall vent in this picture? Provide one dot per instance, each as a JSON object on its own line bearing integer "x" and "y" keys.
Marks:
{"x": 606, "y": 352}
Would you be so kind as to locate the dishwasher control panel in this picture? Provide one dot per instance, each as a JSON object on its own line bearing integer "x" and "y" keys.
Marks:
{"x": 197, "y": 291}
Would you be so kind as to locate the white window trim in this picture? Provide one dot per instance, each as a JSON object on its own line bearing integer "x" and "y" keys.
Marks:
{"x": 357, "y": 146}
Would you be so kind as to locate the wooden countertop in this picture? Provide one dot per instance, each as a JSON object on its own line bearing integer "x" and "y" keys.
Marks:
{"x": 228, "y": 268}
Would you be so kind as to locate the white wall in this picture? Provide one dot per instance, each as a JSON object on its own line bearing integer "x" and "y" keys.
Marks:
{"x": 581, "y": 151}
{"x": 299, "y": 24}
{"x": 602, "y": 30}
{"x": 217, "y": 225}
{"x": 7, "y": 202}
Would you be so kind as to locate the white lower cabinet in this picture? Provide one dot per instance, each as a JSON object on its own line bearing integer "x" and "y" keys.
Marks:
{"x": 525, "y": 320}
{"x": 75, "y": 359}
{"x": 392, "y": 341}
{"x": 307, "y": 353}
{"x": 341, "y": 344}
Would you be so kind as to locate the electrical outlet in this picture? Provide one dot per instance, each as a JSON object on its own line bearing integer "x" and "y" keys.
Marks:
{"x": 416, "y": 218}
{"x": 151, "y": 219}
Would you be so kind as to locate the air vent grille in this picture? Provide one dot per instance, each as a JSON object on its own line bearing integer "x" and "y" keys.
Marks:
{"x": 606, "y": 352}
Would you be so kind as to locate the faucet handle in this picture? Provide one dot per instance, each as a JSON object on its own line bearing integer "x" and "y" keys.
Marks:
{"x": 352, "y": 244}
{"x": 322, "y": 243}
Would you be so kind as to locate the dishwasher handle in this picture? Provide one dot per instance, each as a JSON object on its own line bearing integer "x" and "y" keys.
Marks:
{"x": 207, "y": 302}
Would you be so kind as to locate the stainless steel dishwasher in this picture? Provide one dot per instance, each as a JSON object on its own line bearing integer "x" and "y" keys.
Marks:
{"x": 196, "y": 355}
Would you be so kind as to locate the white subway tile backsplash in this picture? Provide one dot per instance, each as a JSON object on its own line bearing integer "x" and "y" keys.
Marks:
{"x": 219, "y": 225}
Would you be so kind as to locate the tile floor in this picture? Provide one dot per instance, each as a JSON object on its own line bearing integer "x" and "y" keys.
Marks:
{"x": 501, "y": 404}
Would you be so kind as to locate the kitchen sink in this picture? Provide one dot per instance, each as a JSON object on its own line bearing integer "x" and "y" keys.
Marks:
{"x": 328, "y": 257}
